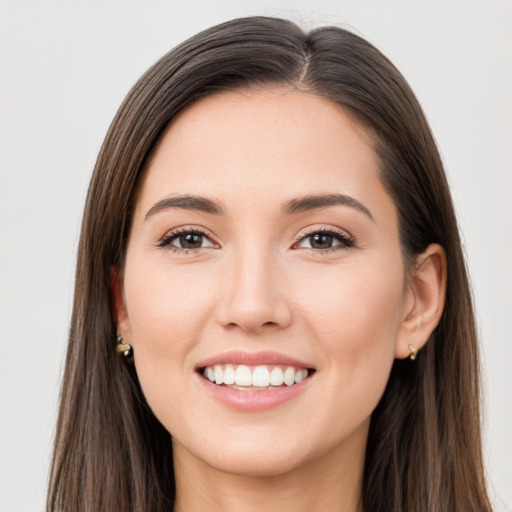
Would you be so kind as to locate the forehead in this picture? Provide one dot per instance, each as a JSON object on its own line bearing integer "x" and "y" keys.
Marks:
{"x": 253, "y": 142}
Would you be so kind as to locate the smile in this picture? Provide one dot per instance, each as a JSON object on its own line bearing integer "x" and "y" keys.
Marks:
{"x": 262, "y": 377}
{"x": 254, "y": 381}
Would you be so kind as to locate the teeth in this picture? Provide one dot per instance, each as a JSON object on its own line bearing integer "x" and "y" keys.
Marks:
{"x": 289, "y": 376}
{"x": 300, "y": 376}
{"x": 219, "y": 374}
{"x": 276, "y": 377}
{"x": 259, "y": 376}
{"x": 229, "y": 374}
{"x": 243, "y": 376}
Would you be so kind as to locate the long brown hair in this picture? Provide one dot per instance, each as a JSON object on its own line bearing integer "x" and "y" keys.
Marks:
{"x": 424, "y": 447}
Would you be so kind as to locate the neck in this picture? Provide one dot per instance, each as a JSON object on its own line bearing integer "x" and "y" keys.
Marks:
{"x": 331, "y": 483}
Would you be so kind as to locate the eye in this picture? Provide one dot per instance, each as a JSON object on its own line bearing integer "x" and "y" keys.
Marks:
{"x": 322, "y": 240}
{"x": 186, "y": 239}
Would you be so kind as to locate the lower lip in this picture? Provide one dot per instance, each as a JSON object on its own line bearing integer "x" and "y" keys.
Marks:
{"x": 254, "y": 400}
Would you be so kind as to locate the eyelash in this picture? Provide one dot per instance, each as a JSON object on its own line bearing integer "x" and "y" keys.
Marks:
{"x": 346, "y": 240}
{"x": 165, "y": 242}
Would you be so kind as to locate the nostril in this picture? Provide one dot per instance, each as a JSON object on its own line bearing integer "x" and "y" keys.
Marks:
{"x": 257, "y": 309}
{"x": 248, "y": 325}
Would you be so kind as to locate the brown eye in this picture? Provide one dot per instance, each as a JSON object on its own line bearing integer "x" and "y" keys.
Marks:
{"x": 320, "y": 241}
{"x": 325, "y": 241}
{"x": 191, "y": 241}
{"x": 183, "y": 241}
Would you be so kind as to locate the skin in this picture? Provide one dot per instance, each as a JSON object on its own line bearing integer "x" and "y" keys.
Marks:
{"x": 257, "y": 282}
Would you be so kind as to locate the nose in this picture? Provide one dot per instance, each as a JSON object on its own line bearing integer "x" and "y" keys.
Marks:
{"x": 254, "y": 298}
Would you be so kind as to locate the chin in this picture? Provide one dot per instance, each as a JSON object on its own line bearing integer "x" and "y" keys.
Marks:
{"x": 251, "y": 455}
{"x": 262, "y": 464}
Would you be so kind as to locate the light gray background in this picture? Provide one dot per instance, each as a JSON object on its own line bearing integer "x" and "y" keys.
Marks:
{"x": 64, "y": 69}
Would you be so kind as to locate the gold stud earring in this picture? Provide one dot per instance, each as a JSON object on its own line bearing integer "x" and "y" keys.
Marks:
{"x": 414, "y": 352}
{"x": 124, "y": 348}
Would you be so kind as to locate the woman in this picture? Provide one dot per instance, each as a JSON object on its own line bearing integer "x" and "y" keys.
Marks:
{"x": 271, "y": 304}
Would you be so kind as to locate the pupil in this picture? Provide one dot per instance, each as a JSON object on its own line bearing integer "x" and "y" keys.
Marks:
{"x": 321, "y": 241}
{"x": 191, "y": 241}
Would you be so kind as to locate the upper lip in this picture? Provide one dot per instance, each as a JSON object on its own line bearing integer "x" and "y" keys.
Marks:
{"x": 253, "y": 359}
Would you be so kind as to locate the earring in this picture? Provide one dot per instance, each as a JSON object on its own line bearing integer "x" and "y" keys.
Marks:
{"x": 124, "y": 348}
{"x": 414, "y": 352}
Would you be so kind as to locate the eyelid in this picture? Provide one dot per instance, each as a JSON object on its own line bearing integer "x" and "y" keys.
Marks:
{"x": 165, "y": 240}
{"x": 347, "y": 240}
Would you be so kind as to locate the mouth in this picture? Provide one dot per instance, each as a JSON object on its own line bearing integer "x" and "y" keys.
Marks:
{"x": 255, "y": 377}
{"x": 254, "y": 381}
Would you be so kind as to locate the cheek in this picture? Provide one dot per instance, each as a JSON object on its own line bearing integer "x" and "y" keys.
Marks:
{"x": 355, "y": 325}
{"x": 356, "y": 309}
{"x": 166, "y": 311}
{"x": 165, "y": 307}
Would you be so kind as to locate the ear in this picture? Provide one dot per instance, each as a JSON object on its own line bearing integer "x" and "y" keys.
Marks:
{"x": 119, "y": 307}
{"x": 424, "y": 300}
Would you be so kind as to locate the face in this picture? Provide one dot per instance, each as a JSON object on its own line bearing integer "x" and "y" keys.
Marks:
{"x": 264, "y": 256}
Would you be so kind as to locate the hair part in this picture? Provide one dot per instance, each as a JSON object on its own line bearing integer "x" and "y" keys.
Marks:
{"x": 424, "y": 448}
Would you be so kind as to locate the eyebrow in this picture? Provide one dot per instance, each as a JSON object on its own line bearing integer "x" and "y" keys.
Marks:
{"x": 186, "y": 202}
{"x": 322, "y": 201}
{"x": 303, "y": 204}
